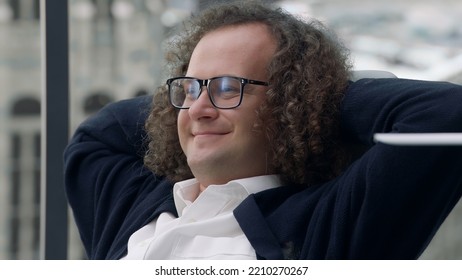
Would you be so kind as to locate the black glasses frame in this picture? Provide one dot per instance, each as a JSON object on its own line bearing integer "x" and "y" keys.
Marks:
{"x": 206, "y": 82}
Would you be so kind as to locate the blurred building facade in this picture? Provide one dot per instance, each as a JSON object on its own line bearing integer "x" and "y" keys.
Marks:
{"x": 116, "y": 53}
{"x": 20, "y": 129}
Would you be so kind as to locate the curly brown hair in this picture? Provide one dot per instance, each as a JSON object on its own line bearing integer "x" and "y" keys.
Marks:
{"x": 308, "y": 75}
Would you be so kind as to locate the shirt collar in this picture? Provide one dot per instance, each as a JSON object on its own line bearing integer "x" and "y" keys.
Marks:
{"x": 186, "y": 192}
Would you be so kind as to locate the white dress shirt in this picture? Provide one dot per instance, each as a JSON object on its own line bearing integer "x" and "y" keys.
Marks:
{"x": 206, "y": 227}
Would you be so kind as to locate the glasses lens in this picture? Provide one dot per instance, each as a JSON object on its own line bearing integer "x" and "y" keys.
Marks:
{"x": 183, "y": 92}
{"x": 225, "y": 92}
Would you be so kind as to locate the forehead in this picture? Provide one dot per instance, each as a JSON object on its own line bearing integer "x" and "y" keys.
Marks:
{"x": 232, "y": 49}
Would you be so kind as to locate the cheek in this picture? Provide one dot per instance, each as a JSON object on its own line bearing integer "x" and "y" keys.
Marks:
{"x": 181, "y": 119}
{"x": 182, "y": 125}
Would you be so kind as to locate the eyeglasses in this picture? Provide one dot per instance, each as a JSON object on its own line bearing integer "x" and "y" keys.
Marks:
{"x": 224, "y": 92}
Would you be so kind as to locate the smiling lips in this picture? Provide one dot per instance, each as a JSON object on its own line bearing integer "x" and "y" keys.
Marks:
{"x": 208, "y": 133}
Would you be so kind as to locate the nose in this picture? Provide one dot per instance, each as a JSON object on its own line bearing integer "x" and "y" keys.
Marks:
{"x": 202, "y": 107}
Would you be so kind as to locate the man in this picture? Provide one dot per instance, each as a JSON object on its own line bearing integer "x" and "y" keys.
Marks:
{"x": 246, "y": 156}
